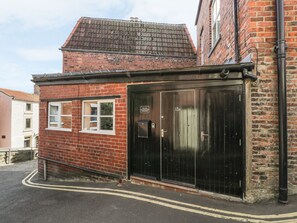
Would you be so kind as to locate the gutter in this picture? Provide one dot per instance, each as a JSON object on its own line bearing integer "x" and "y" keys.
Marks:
{"x": 124, "y": 75}
{"x": 280, "y": 49}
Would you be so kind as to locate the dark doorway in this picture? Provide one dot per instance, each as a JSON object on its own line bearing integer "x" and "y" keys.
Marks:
{"x": 178, "y": 136}
{"x": 220, "y": 154}
{"x": 190, "y": 136}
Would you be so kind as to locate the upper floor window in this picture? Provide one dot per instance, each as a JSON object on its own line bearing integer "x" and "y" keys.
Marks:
{"x": 27, "y": 142}
{"x": 99, "y": 116}
{"x": 60, "y": 115}
{"x": 28, "y": 123}
{"x": 215, "y": 22}
{"x": 28, "y": 107}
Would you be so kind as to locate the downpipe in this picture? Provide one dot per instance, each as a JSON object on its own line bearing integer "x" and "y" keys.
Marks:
{"x": 280, "y": 49}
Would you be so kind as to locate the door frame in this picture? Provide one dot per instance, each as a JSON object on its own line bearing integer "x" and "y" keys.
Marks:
{"x": 186, "y": 85}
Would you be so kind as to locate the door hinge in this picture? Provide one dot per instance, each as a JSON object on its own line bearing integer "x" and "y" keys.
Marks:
{"x": 239, "y": 97}
{"x": 239, "y": 142}
{"x": 240, "y": 183}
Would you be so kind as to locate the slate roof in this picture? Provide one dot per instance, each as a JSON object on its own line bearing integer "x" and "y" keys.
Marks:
{"x": 131, "y": 37}
{"x": 19, "y": 95}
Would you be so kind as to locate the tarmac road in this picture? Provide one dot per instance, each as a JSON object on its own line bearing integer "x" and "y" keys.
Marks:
{"x": 37, "y": 201}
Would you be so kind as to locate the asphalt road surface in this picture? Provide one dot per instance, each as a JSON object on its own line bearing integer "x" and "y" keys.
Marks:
{"x": 20, "y": 203}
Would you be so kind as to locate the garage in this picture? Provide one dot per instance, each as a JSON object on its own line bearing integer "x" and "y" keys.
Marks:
{"x": 188, "y": 133}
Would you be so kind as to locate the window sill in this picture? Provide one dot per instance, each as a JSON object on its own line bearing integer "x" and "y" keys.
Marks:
{"x": 98, "y": 133}
{"x": 59, "y": 129}
{"x": 27, "y": 130}
{"x": 214, "y": 47}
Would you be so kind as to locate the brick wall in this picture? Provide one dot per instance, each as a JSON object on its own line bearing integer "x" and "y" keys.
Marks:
{"x": 86, "y": 61}
{"x": 257, "y": 33}
{"x": 106, "y": 153}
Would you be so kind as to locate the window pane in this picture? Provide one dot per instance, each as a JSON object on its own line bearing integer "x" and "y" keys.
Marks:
{"x": 106, "y": 123}
{"x": 28, "y": 107}
{"x": 90, "y": 108}
{"x": 54, "y": 109}
{"x": 66, "y": 122}
{"x": 54, "y": 119}
{"x": 27, "y": 142}
{"x": 28, "y": 123}
{"x": 90, "y": 123}
{"x": 66, "y": 108}
{"x": 106, "y": 108}
{"x": 55, "y": 125}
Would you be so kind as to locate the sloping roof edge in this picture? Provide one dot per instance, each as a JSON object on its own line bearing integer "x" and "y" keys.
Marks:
{"x": 20, "y": 95}
{"x": 198, "y": 12}
{"x": 190, "y": 39}
{"x": 72, "y": 32}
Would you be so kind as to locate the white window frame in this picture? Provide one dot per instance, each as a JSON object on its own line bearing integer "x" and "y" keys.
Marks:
{"x": 31, "y": 124}
{"x": 99, "y": 131}
{"x": 28, "y": 138}
{"x": 215, "y": 22}
{"x": 31, "y": 107}
{"x": 58, "y": 115}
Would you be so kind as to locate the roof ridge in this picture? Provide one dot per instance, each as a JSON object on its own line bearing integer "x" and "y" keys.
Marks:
{"x": 131, "y": 21}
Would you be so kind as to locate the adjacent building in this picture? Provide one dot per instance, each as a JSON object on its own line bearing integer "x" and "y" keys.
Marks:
{"x": 19, "y": 119}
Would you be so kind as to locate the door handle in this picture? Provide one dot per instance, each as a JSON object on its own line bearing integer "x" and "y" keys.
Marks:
{"x": 203, "y": 135}
{"x": 162, "y": 133}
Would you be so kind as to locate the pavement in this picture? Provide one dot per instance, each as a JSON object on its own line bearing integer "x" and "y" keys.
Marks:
{"x": 109, "y": 202}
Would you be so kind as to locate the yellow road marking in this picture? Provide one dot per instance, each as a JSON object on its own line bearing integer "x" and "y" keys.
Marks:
{"x": 152, "y": 199}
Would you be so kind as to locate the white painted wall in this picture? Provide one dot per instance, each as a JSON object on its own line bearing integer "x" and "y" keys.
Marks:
{"x": 5, "y": 117}
{"x": 18, "y": 123}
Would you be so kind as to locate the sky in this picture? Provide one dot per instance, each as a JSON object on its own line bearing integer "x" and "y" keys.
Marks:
{"x": 32, "y": 31}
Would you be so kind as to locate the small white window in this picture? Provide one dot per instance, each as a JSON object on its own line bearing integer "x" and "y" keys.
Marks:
{"x": 28, "y": 123}
{"x": 99, "y": 117}
{"x": 27, "y": 142}
{"x": 215, "y": 22}
{"x": 28, "y": 107}
{"x": 60, "y": 115}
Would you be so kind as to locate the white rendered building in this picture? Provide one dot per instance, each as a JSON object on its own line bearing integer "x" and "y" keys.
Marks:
{"x": 19, "y": 119}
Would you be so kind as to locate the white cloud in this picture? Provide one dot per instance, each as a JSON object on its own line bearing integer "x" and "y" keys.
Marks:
{"x": 13, "y": 76}
{"x": 56, "y": 13}
{"x": 45, "y": 54}
{"x": 51, "y": 13}
{"x": 180, "y": 12}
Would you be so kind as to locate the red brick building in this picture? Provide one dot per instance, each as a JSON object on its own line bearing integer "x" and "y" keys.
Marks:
{"x": 257, "y": 39}
{"x": 141, "y": 109}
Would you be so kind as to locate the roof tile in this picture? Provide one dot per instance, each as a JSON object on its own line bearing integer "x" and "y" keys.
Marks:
{"x": 19, "y": 95}
{"x": 136, "y": 37}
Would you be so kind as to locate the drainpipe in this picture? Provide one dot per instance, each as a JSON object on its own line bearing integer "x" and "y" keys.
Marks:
{"x": 280, "y": 49}
{"x": 236, "y": 32}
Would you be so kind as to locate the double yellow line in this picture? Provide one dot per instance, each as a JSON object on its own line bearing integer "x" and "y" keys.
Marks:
{"x": 173, "y": 204}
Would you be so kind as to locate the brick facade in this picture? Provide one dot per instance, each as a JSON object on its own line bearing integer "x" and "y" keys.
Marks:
{"x": 105, "y": 153}
{"x": 88, "y": 61}
{"x": 105, "y": 45}
{"x": 257, "y": 36}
